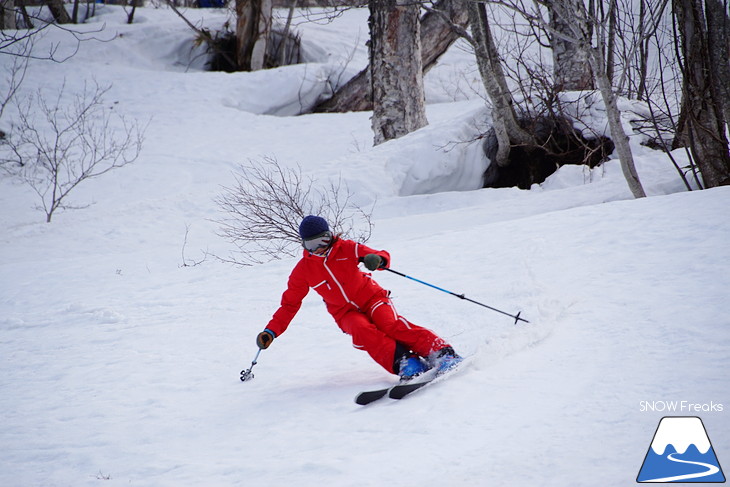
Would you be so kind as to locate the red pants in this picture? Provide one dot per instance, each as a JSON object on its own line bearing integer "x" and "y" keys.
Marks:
{"x": 377, "y": 329}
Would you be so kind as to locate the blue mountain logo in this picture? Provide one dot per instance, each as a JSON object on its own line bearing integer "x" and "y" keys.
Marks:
{"x": 681, "y": 452}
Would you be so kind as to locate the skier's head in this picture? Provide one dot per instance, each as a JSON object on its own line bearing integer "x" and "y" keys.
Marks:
{"x": 312, "y": 226}
{"x": 315, "y": 234}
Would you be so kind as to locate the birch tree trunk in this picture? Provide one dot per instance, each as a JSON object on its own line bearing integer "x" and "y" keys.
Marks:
{"x": 253, "y": 27}
{"x": 618, "y": 134}
{"x": 397, "y": 70}
{"x": 582, "y": 25}
{"x": 571, "y": 68}
{"x": 504, "y": 117}
{"x": 439, "y": 29}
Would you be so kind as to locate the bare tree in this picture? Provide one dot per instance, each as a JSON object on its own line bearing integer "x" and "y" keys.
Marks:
{"x": 130, "y": 14}
{"x": 440, "y": 27}
{"x": 504, "y": 117}
{"x": 396, "y": 71}
{"x": 204, "y": 36}
{"x": 618, "y": 134}
{"x": 253, "y": 29}
{"x": 702, "y": 107}
{"x": 662, "y": 90}
{"x": 24, "y": 13}
{"x": 265, "y": 205}
{"x": 15, "y": 73}
{"x": 56, "y": 146}
{"x": 19, "y": 43}
{"x": 588, "y": 30}
{"x": 58, "y": 10}
{"x": 571, "y": 68}
{"x": 597, "y": 58}
{"x": 718, "y": 41}
{"x": 7, "y": 14}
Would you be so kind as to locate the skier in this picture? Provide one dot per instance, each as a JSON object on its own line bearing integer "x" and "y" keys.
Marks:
{"x": 360, "y": 307}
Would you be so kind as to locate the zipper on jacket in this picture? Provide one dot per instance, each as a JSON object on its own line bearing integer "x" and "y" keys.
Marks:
{"x": 342, "y": 290}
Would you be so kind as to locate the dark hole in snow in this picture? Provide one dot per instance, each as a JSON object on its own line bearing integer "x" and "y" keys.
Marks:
{"x": 559, "y": 144}
{"x": 223, "y": 51}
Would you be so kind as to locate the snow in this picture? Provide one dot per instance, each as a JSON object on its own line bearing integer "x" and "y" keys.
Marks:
{"x": 688, "y": 430}
{"x": 120, "y": 365}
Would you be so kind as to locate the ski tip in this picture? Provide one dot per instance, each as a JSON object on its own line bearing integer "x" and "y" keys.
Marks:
{"x": 365, "y": 398}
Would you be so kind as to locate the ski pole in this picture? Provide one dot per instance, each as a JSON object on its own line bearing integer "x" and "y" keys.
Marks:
{"x": 460, "y": 296}
{"x": 247, "y": 374}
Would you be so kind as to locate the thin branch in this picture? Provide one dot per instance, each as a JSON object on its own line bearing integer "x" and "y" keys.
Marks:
{"x": 262, "y": 211}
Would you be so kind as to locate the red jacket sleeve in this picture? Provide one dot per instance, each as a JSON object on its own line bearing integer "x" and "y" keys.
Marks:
{"x": 291, "y": 301}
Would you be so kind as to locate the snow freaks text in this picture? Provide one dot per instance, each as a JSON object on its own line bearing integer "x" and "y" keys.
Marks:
{"x": 683, "y": 407}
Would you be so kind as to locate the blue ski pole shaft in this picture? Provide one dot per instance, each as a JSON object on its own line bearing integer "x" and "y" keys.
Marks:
{"x": 460, "y": 296}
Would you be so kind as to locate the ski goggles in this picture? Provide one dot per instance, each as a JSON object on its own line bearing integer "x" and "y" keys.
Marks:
{"x": 317, "y": 242}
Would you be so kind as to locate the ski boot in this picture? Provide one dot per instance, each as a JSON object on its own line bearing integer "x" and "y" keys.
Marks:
{"x": 444, "y": 360}
{"x": 411, "y": 367}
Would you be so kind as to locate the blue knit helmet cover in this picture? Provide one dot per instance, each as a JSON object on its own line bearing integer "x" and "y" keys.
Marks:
{"x": 312, "y": 226}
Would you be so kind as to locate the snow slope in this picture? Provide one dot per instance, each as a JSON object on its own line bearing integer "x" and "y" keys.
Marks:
{"x": 119, "y": 365}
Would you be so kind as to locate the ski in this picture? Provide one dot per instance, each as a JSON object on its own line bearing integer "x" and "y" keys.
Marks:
{"x": 371, "y": 396}
{"x": 366, "y": 397}
{"x": 404, "y": 388}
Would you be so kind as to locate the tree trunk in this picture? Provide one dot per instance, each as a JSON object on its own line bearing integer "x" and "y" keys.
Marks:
{"x": 397, "y": 71}
{"x": 718, "y": 40}
{"x": 618, "y": 135}
{"x": 582, "y": 26}
{"x": 134, "y": 4}
{"x": 504, "y": 117}
{"x": 643, "y": 52}
{"x": 571, "y": 68}
{"x": 58, "y": 11}
{"x": 704, "y": 124}
{"x": 440, "y": 28}
{"x": 437, "y": 35}
{"x": 611, "y": 41}
{"x": 7, "y": 14}
{"x": 253, "y": 27}
{"x": 24, "y": 12}
{"x": 281, "y": 55}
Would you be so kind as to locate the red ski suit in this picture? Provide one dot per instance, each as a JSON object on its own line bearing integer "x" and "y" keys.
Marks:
{"x": 360, "y": 307}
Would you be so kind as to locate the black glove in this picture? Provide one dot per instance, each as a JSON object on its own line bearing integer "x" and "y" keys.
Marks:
{"x": 373, "y": 261}
{"x": 264, "y": 339}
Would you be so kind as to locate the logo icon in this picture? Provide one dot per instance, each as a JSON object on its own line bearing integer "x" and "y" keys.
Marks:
{"x": 680, "y": 452}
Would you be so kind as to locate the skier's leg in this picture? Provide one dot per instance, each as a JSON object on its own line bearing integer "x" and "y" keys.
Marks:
{"x": 366, "y": 336}
{"x": 419, "y": 339}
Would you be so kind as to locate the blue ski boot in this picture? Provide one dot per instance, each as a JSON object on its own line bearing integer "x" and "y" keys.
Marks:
{"x": 411, "y": 366}
{"x": 445, "y": 359}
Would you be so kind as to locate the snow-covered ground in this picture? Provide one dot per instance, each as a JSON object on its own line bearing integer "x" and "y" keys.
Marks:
{"x": 120, "y": 366}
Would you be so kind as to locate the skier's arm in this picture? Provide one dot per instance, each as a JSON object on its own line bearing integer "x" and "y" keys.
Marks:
{"x": 373, "y": 259}
{"x": 291, "y": 301}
